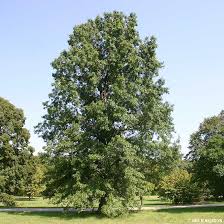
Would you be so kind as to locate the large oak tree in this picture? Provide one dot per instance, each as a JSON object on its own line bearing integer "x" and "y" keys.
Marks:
{"x": 105, "y": 115}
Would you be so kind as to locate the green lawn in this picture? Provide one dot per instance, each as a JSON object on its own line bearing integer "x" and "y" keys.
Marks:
{"x": 154, "y": 201}
{"x": 168, "y": 216}
{"x": 40, "y": 202}
{"x": 180, "y": 216}
{"x": 149, "y": 201}
{"x": 34, "y": 202}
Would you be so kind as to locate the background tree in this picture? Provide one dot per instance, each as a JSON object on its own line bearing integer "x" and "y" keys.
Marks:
{"x": 34, "y": 181}
{"x": 15, "y": 152}
{"x": 207, "y": 154}
{"x": 161, "y": 159}
{"x": 105, "y": 109}
{"x": 179, "y": 187}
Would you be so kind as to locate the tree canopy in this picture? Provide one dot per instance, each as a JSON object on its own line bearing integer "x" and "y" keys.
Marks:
{"x": 15, "y": 152}
{"x": 105, "y": 115}
{"x": 207, "y": 154}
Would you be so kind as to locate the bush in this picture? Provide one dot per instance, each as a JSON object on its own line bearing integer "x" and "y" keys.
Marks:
{"x": 7, "y": 200}
{"x": 179, "y": 188}
{"x": 114, "y": 207}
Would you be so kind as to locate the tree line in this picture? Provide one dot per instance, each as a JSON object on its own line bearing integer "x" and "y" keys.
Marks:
{"x": 108, "y": 129}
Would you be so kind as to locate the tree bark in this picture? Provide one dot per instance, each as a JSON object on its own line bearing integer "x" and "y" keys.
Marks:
{"x": 102, "y": 202}
{"x": 141, "y": 201}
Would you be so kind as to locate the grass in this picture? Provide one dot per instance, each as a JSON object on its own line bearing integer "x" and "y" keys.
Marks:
{"x": 149, "y": 201}
{"x": 154, "y": 201}
{"x": 168, "y": 216}
{"x": 180, "y": 216}
{"x": 33, "y": 202}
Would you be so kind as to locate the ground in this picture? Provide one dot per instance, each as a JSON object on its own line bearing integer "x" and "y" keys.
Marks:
{"x": 149, "y": 201}
{"x": 180, "y": 216}
{"x": 168, "y": 216}
{"x": 40, "y": 202}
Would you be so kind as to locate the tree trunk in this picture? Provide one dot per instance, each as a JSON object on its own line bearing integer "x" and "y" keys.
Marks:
{"x": 141, "y": 201}
{"x": 102, "y": 202}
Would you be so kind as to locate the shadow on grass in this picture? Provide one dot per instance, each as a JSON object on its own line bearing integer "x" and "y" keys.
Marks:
{"x": 60, "y": 215}
{"x": 25, "y": 199}
{"x": 156, "y": 202}
{"x": 69, "y": 215}
{"x": 152, "y": 204}
{"x": 193, "y": 210}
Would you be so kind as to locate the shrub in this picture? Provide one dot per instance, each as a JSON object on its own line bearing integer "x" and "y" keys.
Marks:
{"x": 114, "y": 207}
{"x": 7, "y": 200}
{"x": 179, "y": 188}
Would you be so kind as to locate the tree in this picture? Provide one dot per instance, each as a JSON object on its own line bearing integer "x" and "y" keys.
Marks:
{"x": 105, "y": 109}
{"x": 179, "y": 187}
{"x": 35, "y": 176}
{"x": 160, "y": 160}
{"x": 207, "y": 154}
{"x": 15, "y": 151}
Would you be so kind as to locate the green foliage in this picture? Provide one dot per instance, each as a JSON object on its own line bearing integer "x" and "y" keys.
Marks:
{"x": 2, "y": 183}
{"x": 15, "y": 152}
{"x": 207, "y": 154}
{"x": 7, "y": 200}
{"x": 114, "y": 206}
{"x": 160, "y": 160}
{"x": 179, "y": 188}
{"x": 105, "y": 110}
{"x": 34, "y": 181}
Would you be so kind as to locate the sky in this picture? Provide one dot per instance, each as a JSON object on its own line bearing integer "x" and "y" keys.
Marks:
{"x": 190, "y": 39}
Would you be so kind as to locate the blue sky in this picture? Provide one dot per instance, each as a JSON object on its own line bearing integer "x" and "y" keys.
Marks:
{"x": 190, "y": 39}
